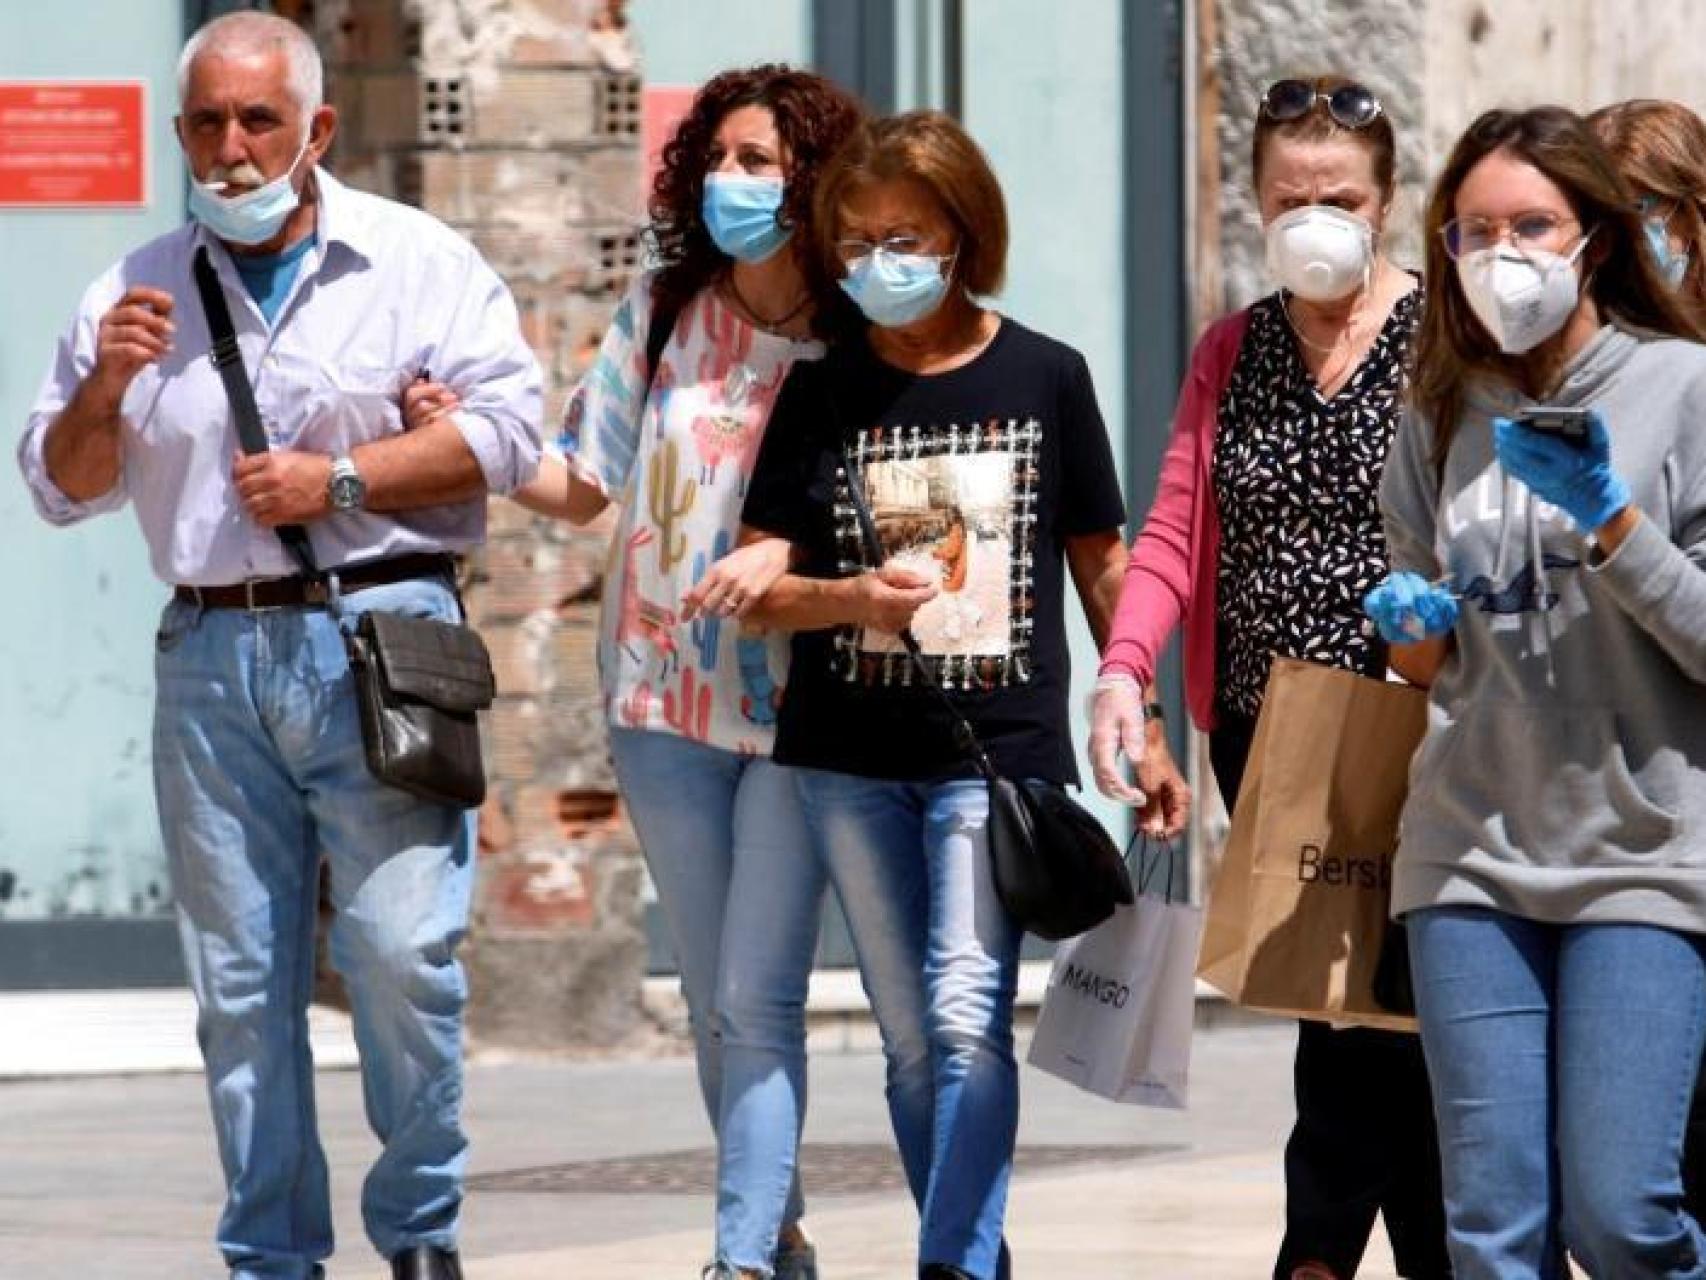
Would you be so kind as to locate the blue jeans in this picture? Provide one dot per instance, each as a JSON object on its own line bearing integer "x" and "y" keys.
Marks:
{"x": 1563, "y": 1059}
{"x": 742, "y": 894}
{"x": 939, "y": 958}
{"x": 259, "y": 772}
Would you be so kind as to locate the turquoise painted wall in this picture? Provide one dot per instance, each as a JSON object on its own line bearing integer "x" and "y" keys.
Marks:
{"x": 77, "y": 827}
{"x": 1043, "y": 97}
{"x": 686, "y": 42}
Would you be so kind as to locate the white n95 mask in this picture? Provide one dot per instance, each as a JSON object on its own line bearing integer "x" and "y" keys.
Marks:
{"x": 1320, "y": 253}
{"x": 1520, "y": 298}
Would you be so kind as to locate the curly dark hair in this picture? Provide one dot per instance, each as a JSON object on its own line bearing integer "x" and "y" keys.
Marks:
{"x": 813, "y": 116}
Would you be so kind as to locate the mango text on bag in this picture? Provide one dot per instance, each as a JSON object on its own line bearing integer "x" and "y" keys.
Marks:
{"x": 1104, "y": 990}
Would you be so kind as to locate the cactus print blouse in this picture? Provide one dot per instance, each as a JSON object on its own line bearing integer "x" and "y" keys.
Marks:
{"x": 678, "y": 463}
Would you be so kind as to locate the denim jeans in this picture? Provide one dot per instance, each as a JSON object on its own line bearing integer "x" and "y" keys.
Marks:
{"x": 939, "y": 958}
{"x": 742, "y": 893}
{"x": 1563, "y": 1059}
{"x": 259, "y": 774}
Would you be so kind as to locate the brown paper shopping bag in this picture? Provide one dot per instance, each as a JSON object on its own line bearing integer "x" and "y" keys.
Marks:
{"x": 1299, "y": 907}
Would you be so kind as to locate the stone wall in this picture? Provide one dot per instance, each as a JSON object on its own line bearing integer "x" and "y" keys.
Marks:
{"x": 517, "y": 122}
{"x": 1435, "y": 65}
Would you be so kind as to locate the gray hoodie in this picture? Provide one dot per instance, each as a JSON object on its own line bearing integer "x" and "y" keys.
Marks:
{"x": 1563, "y": 774}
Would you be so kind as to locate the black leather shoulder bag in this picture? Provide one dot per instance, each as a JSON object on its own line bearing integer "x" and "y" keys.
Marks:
{"x": 419, "y": 683}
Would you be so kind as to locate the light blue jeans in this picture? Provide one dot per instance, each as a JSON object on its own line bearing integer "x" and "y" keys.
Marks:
{"x": 259, "y": 773}
{"x": 1563, "y": 1060}
{"x": 742, "y": 894}
{"x": 939, "y": 958}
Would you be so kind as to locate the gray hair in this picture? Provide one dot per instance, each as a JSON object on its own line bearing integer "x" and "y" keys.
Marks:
{"x": 247, "y": 33}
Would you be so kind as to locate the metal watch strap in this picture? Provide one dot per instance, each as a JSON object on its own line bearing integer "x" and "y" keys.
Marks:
{"x": 228, "y": 359}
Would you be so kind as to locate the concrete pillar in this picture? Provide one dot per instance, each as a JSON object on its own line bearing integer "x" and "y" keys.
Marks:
{"x": 517, "y": 122}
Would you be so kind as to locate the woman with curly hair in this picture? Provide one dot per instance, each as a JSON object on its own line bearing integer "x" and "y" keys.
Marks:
{"x": 667, "y": 424}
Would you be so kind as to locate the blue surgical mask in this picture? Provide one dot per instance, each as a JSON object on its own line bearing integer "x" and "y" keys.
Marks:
{"x": 740, "y": 212}
{"x": 253, "y": 217}
{"x": 895, "y": 289}
{"x": 1673, "y": 265}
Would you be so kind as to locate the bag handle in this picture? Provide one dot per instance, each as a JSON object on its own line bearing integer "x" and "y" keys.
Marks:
{"x": 1140, "y": 841}
{"x": 228, "y": 359}
{"x": 964, "y": 735}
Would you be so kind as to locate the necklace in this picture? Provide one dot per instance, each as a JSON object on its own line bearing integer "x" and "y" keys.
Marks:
{"x": 1325, "y": 349}
{"x": 758, "y": 317}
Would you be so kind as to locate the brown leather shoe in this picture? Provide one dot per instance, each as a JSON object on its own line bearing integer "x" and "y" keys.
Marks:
{"x": 423, "y": 1262}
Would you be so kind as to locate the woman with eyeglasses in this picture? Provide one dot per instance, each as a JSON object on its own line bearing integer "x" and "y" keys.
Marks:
{"x": 1264, "y": 535}
{"x": 978, "y": 452}
{"x": 1546, "y": 511}
{"x": 667, "y": 423}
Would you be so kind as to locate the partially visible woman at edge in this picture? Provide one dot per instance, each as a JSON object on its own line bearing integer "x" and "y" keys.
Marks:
{"x": 691, "y": 700}
{"x": 1660, "y": 149}
{"x": 1264, "y": 536}
{"x": 1548, "y": 588}
{"x": 979, "y": 447}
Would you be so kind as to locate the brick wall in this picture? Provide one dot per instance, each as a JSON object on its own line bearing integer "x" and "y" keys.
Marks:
{"x": 517, "y": 122}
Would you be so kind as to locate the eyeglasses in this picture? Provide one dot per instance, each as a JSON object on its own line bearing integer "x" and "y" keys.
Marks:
{"x": 852, "y": 250}
{"x": 1350, "y": 105}
{"x": 1526, "y": 231}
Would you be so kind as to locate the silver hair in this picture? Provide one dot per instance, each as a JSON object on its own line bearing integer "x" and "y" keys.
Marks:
{"x": 248, "y": 32}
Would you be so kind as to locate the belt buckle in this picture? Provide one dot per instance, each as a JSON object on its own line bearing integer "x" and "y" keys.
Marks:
{"x": 249, "y": 605}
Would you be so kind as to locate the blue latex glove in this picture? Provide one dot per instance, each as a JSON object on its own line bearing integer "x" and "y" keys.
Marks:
{"x": 1408, "y": 608}
{"x": 1577, "y": 479}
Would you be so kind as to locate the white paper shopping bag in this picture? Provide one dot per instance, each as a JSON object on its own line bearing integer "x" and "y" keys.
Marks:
{"x": 1121, "y": 1003}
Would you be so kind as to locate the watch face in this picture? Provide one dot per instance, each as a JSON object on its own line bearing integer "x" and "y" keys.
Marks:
{"x": 346, "y": 492}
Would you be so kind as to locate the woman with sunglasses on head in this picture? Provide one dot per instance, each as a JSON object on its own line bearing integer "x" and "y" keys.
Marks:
{"x": 1546, "y": 511}
{"x": 1264, "y": 535}
{"x": 667, "y": 423}
{"x": 978, "y": 452}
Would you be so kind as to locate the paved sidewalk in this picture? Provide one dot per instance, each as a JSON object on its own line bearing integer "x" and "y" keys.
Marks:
{"x": 594, "y": 1169}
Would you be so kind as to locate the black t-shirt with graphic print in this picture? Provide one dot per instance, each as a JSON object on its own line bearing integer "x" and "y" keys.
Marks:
{"x": 1297, "y": 485}
{"x": 976, "y": 477}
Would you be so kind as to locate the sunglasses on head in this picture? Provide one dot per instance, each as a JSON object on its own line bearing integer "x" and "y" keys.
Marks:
{"x": 1350, "y": 105}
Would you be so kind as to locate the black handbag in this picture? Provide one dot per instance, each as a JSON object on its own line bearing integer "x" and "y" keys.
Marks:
{"x": 419, "y": 682}
{"x": 1057, "y": 871}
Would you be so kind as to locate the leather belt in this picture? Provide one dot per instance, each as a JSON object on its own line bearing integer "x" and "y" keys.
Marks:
{"x": 300, "y": 592}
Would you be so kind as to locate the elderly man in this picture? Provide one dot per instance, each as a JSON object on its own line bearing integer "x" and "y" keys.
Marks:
{"x": 395, "y": 392}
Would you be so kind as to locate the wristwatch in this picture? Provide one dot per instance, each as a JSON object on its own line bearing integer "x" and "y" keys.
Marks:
{"x": 345, "y": 488}
{"x": 1154, "y": 711}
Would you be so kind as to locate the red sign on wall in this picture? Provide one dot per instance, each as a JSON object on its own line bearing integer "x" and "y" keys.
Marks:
{"x": 76, "y": 144}
{"x": 663, "y": 108}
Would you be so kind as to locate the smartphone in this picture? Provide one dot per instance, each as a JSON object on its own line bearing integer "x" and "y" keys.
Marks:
{"x": 1570, "y": 424}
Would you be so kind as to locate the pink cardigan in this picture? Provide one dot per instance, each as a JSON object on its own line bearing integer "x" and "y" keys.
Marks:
{"x": 1171, "y": 574}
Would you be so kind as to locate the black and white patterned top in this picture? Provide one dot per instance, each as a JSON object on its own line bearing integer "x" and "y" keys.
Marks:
{"x": 1297, "y": 483}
